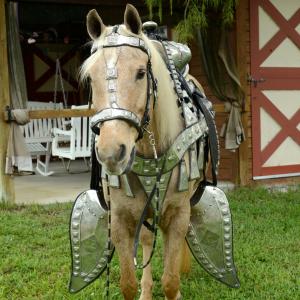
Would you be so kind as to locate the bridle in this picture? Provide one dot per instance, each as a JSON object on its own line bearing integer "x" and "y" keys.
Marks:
{"x": 113, "y": 40}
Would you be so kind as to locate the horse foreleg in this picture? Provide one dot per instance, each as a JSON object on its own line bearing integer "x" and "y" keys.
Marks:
{"x": 123, "y": 241}
{"x": 174, "y": 239}
{"x": 147, "y": 281}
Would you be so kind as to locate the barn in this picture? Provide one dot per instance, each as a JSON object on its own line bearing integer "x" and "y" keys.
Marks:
{"x": 264, "y": 46}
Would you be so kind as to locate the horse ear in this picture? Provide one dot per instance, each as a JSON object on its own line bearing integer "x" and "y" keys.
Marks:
{"x": 94, "y": 24}
{"x": 132, "y": 19}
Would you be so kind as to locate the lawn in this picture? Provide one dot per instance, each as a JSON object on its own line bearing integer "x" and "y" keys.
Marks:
{"x": 35, "y": 259}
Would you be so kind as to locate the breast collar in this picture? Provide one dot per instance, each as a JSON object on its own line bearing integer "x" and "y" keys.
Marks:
{"x": 113, "y": 40}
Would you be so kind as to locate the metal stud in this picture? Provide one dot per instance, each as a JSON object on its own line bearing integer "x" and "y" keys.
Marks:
{"x": 224, "y": 211}
{"x": 79, "y": 206}
{"x": 103, "y": 260}
{"x": 191, "y": 233}
{"x": 87, "y": 279}
{"x": 76, "y": 215}
{"x": 83, "y": 274}
{"x": 95, "y": 272}
{"x": 227, "y": 237}
{"x": 75, "y": 273}
{"x": 75, "y": 241}
{"x": 111, "y": 73}
{"x": 227, "y": 245}
{"x": 228, "y": 265}
{"x": 228, "y": 258}
{"x": 226, "y": 221}
{"x": 75, "y": 225}
{"x": 77, "y": 268}
{"x": 76, "y": 255}
{"x": 227, "y": 252}
{"x": 148, "y": 182}
{"x": 75, "y": 248}
{"x": 227, "y": 229}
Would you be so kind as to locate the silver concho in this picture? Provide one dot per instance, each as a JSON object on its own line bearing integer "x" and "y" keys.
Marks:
{"x": 210, "y": 236}
{"x": 88, "y": 235}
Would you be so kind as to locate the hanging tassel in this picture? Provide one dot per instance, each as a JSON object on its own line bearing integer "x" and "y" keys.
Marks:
{"x": 183, "y": 182}
{"x": 194, "y": 170}
{"x": 201, "y": 155}
{"x": 126, "y": 186}
{"x": 114, "y": 181}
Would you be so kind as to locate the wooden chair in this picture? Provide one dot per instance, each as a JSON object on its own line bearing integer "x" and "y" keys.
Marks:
{"x": 79, "y": 136}
{"x": 38, "y": 136}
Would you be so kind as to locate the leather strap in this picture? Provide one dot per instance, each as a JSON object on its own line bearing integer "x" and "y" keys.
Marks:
{"x": 95, "y": 182}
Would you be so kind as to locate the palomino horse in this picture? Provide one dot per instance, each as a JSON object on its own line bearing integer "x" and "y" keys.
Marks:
{"x": 121, "y": 137}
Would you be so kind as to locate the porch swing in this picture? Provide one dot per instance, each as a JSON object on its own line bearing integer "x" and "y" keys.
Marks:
{"x": 78, "y": 136}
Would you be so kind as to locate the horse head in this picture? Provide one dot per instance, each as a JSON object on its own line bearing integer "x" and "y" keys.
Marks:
{"x": 119, "y": 70}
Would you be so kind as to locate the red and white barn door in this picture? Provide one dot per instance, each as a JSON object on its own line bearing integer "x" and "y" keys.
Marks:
{"x": 275, "y": 88}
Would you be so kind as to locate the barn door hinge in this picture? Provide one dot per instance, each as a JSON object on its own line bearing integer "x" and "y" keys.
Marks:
{"x": 254, "y": 80}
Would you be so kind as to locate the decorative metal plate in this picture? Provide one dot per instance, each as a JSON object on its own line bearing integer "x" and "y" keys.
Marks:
{"x": 88, "y": 237}
{"x": 210, "y": 236}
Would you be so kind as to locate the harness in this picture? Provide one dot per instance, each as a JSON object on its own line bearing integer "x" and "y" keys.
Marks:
{"x": 113, "y": 40}
{"x": 154, "y": 174}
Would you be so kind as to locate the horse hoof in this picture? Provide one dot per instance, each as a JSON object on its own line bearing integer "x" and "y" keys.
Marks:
{"x": 178, "y": 297}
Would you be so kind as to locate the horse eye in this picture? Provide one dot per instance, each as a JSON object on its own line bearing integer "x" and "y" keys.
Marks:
{"x": 140, "y": 74}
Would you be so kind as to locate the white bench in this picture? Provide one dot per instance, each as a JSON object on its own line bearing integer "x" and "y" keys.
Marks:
{"x": 79, "y": 136}
{"x": 38, "y": 135}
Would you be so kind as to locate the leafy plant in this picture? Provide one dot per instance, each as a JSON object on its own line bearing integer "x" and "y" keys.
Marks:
{"x": 195, "y": 14}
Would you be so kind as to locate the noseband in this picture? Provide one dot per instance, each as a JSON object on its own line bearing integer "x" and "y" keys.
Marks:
{"x": 115, "y": 39}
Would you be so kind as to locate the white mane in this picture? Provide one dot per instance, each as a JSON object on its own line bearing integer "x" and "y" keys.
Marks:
{"x": 166, "y": 114}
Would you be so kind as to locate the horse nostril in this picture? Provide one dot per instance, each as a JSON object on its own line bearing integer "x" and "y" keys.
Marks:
{"x": 122, "y": 152}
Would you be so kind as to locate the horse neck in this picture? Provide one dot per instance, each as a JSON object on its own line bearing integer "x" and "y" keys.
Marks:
{"x": 165, "y": 120}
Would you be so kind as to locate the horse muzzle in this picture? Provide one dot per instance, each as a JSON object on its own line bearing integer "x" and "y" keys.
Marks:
{"x": 116, "y": 161}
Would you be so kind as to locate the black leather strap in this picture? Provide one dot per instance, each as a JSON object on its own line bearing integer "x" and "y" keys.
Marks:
{"x": 212, "y": 134}
{"x": 142, "y": 220}
{"x": 95, "y": 182}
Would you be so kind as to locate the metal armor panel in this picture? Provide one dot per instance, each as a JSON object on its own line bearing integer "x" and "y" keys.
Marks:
{"x": 88, "y": 236}
{"x": 210, "y": 236}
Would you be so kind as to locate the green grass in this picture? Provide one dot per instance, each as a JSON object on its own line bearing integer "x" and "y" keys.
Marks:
{"x": 35, "y": 260}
